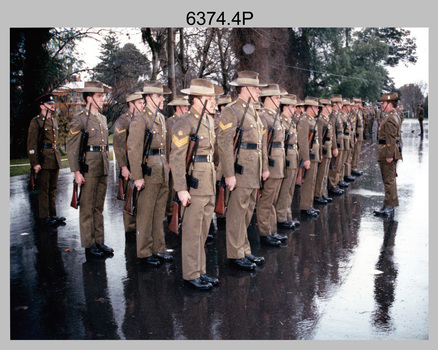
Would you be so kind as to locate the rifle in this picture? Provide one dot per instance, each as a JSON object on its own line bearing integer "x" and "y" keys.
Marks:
{"x": 220, "y": 197}
{"x": 41, "y": 134}
{"x": 301, "y": 175}
{"x": 238, "y": 140}
{"x": 176, "y": 221}
{"x": 271, "y": 131}
{"x": 131, "y": 198}
{"x": 83, "y": 166}
{"x": 147, "y": 146}
{"x": 286, "y": 139}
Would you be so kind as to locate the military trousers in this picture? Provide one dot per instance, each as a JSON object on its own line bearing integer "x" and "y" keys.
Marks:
{"x": 194, "y": 232}
{"x": 389, "y": 175}
{"x": 238, "y": 217}
{"x": 265, "y": 211}
{"x": 283, "y": 207}
{"x": 321, "y": 177}
{"x": 47, "y": 180}
{"x": 333, "y": 176}
{"x": 346, "y": 169}
{"x": 308, "y": 186}
{"x": 356, "y": 154}
{"x": 92, "y": 199}
{"x": 151, "y": 209}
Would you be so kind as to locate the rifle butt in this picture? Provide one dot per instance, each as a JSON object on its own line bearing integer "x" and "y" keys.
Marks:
{"x": 220, "y": 202}
{"x": 75, "y": 198}
{"x": 120, "y": 191}
{"x": 174, "y": 224}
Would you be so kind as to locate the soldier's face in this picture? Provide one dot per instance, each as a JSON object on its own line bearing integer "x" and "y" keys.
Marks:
{"x": 97, "y": 100}
{"x": 210, "y": 103}
{"x": 138, "y": 105}
{"x": 48, "y": 106}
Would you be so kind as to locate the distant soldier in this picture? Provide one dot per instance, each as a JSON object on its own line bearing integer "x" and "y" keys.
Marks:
{"x": 45, "y": 159}
{"x": 420, "y": 115}
{"x": 94, "y": 181}
{"x": 243, "y": 174}
{"x": 389, "y": 152}
{"x": 275, "y": 162}
{"x": 197, "y": 190}
{"x": 309, "y": 155}
{"x": 180, "y": 105}
{"x": 360, "y": 123}
{"x": 150, "y": 173}
{"x": 135, "y": 102}
{"x": 328, "y": 149}
{"x": 283, "y": 206}
{"x": 350, "y": 132}
{"x": 335, "y": 169}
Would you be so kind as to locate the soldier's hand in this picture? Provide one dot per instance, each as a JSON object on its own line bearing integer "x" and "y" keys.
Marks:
{"x": 79, "y": 178}
{"x": 307, "y": 164}
{"x": 335, "y": 152}
{"x": 389, "y": 160}
{"x": 184, "y": 197}
{"x": 37, "y": 168}
{"x": 139, "y": 184}
{"x": 265, "y": 175}
{"x": 230, "y": 182}
{"x": 125, "y": 173}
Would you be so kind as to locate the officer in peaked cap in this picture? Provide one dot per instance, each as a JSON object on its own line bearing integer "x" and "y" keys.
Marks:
{"x": 242, "y": 175}
{"x": 45, "y": 159}
{"x": 389, "y": 152}
{"x": 135, "y": 102}
{"x": 94, "y": 180}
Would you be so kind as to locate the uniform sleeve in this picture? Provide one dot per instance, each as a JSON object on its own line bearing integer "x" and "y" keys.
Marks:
{"x": 225, "y": 138}
{"x": 32, "y": 143}
{"x": 303, "y": 135}
{"x": 178, "y": 153}
{"x": 265, "y": 163}
{"x": 391, "y": 137}
{"x": 74, "y": 143}
{"x": 119, "y": 142}
{"x": 135, "y": 146}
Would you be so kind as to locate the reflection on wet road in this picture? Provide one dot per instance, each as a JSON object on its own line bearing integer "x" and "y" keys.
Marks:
{"x": 344, "y": 275}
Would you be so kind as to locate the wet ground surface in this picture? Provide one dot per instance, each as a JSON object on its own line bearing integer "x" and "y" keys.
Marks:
{"x": 344, "y": 275}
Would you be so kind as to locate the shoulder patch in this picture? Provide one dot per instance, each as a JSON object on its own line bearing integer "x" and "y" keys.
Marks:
{"x": 74, "y": 132}
{"x": 180, "y": 142}
{"x": 226, "y": 126}
{"x": 264, "y": 131}
{"x": 120, "y": 131}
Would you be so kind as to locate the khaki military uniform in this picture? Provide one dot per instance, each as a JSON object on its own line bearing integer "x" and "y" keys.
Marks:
{"x": 266, "y": 213}
{"x": 197, "y": 216}
{"x": 151, "y": 202}
{"x": 169, "y": 125}
{"x": 338, "y": 140}
{"x": 360, "y": 124}
{"x": 93, "y": 191}
{"x": 389, "y": 147}
{"x": 306, "y": 124}
{"x": 243, "y": 198}
{"x": 283, "y": 206}
{"x": 121, "y": 132}
{"x": 326, "y": 141}
{"x": 48, "y": 158}
{"x": 348, "y": 145}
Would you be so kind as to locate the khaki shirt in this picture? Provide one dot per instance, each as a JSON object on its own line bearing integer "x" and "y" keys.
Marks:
{"x": 158, "y": 162}
{"x": 388, "y": 135}
{"x": 290, "y": 153}
{"x": 98, "y": 162}
{"x": 325, "y": 135}
{"x": 267, "y": 116}
{"x": 360, "y": 124}
{"x": 305, "y": 126}
{"x": 48, "y": 158}
{"x": 250, "y": 159}
{"x": 203, "y": 171}
{"x": 121, "y": 132}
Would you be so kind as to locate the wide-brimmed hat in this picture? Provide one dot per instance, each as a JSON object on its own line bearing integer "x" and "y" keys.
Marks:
{"x": 155, "y": 87}
{"x": 96, "y": 86}
{"x": 311, "y": 101}
{"x": 325, "y": 101}
{"x": 247, "y": 78}
{"x": 272, "y": 90}
{"x": 224, "y": 99}
{"x": 179, "y": 100}
{"x": 357, "y": 100}
{"x": 336, "y": 98}
{"x": 289, "y": 99}
{"x": 391, "y": 96}
{"x": 134, "y": 96}
{"x": 203, "y": 87}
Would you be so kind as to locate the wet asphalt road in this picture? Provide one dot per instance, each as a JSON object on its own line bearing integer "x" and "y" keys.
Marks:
{"x": 344, "y": 275}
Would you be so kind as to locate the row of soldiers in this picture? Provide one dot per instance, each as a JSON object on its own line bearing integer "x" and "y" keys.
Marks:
{"x": 258, "y": 146}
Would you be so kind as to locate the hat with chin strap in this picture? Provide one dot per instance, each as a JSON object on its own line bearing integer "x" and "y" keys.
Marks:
{"x": 96, "y": 86}
{"x": 391, "y": 96}
{"x": 203, "y": 87}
